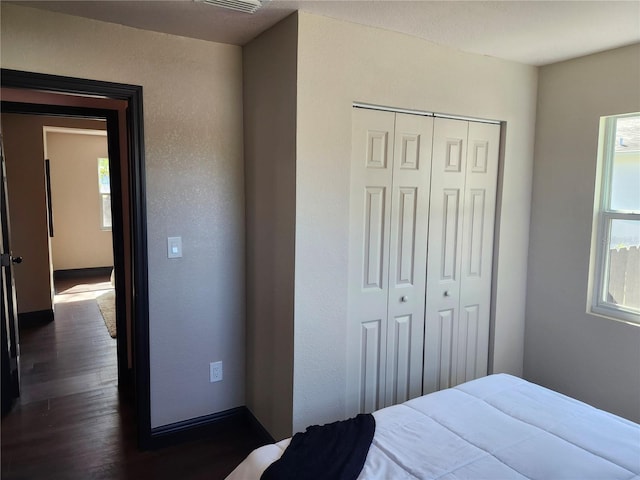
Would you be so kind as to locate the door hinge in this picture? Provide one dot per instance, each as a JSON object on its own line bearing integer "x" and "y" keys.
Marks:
{"x": 5, "y": 259}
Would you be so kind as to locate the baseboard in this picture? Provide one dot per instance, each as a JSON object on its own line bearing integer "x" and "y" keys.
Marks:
{"x": 81, "y": 272}
{"x": 260, "y": 431}
{"x": 35, "y": 319}
{"x": 208, "y": 426}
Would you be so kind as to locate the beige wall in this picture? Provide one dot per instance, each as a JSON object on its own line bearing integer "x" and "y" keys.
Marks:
{"x": 24, "y": 151}
{"x": 192, "y": 92}
{"x": 339, "y": 63}
{"x": 269, "y": 65}
{"x": 591, "y": 358}
{"x": 78, "y": 241}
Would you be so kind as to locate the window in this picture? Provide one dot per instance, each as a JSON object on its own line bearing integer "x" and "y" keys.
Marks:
{"x": 616, "y": 270}
{"x": 104, "y": 190}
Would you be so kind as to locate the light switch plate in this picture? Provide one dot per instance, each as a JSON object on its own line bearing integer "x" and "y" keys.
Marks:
{"x": 174, "y": 247}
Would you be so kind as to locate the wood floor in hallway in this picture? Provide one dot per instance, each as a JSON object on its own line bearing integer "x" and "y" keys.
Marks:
{"x": 70, "y": 422}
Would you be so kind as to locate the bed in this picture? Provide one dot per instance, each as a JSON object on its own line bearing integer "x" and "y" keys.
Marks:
{"x": 496, "y": 427}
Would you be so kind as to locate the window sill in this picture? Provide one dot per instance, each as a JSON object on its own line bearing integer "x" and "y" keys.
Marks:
{"x": 615, "y": 315}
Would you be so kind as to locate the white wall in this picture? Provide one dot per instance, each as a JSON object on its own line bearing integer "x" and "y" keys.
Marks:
{"x": 591, "y": 358}
{"x": 338, "y": 63}
{"x": 269, "y": 63}
{"x": 78, "y": 241}
{"x": 192, "y": 92}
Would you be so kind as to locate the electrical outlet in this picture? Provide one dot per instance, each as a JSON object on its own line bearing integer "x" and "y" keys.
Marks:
{"x": 215, "y": 372}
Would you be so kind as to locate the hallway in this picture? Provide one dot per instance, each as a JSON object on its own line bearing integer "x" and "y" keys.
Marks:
{"x": 74, "y": 354}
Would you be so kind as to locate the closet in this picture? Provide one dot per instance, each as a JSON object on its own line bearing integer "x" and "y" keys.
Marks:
{"x": 422, "y": 207}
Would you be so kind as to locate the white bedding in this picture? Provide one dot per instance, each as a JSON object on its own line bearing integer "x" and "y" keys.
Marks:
{"x": 496, "y": 427}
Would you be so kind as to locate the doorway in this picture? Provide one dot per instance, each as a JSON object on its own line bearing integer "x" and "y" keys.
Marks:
{"x": 121, "y": 106}
{"x": 61, "y": 227}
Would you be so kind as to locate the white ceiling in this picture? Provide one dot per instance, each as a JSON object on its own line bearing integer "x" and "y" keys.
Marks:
{"x": 531, "y": 32}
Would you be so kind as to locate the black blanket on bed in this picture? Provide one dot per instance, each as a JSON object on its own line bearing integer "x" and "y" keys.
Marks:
{"x": 335, "y": 451}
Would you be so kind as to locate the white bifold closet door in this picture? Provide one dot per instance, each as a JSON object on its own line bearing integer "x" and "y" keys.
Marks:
{"x": 464, "y": 170}
{"x": 390, "y": 170}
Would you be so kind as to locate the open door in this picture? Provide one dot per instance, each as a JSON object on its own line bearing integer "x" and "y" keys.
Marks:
{"x": 10, "y": 347}
{"x": 121, "y": 105}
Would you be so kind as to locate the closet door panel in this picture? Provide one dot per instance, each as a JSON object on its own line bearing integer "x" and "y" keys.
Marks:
{"x": 373, "y": 241}
{"x": 370, "y": 211}
{"x": 467, "y": 344}
{"x": 477, "y": 245}
{"x": 442, "y": 329}
{"x": 444, "y": 253}
{"x": 399, "y": 368}
{"x": 408, "y": 256}
{"x": 369, "y": 386}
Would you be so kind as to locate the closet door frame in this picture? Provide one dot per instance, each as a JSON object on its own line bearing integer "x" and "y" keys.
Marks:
{"x": 377, "y": 370}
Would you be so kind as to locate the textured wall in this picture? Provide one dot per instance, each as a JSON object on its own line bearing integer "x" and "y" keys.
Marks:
{"x": 270, "y": 156}
{"x": 589, "y": 357}
{"x": 339, "y": 63}
{"x": 78, "y": 241}
{"x": 192, "y": 92}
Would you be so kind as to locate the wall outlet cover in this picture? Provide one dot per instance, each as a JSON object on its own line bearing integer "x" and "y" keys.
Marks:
{"x": 215, "y": 372}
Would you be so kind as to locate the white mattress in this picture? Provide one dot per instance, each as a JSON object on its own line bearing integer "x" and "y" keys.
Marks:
{"x": 497, "y": 427}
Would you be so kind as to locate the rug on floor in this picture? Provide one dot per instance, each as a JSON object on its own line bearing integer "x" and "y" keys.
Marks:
{"x": 107, "y": 304}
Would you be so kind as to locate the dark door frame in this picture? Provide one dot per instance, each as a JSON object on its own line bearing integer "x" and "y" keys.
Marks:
{"x": 132, "y": 94}
{"x": 10, "y": 388}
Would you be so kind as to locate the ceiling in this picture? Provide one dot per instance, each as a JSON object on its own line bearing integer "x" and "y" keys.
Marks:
{"x": 531, "y": 32}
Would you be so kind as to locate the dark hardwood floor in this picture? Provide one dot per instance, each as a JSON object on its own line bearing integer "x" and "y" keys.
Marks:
{"x": 70, "y": 422}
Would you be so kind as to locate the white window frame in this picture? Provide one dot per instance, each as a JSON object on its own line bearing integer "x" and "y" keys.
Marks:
{"x": 603, "y": 217}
